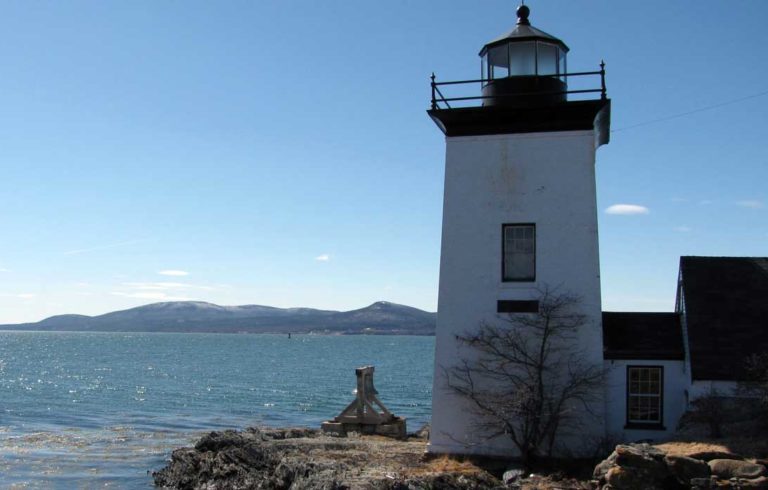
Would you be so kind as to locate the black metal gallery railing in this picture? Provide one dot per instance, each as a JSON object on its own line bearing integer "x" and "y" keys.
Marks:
{"x": 440, "y": 101}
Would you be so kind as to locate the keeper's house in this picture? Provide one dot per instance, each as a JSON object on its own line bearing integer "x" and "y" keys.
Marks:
{"x": 659, "y": 362}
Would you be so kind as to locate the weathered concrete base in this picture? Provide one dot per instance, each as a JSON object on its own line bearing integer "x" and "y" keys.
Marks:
{"x": 395, "y": 428}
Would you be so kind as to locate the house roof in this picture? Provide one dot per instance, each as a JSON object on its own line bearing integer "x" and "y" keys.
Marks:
{"x": 632, "y": 335}
{"x": 726, "y": 313}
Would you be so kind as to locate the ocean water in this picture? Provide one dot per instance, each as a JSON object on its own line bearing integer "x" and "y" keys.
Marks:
{"x": 86, "y": 410}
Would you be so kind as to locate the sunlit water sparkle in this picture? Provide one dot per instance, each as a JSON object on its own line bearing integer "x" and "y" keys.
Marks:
{"x": 80, "y": 410}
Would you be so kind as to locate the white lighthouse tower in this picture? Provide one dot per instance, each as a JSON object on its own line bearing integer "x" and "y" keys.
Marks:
{"x": 519, "y": 210}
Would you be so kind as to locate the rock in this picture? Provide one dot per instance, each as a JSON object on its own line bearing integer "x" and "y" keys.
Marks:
{"x": 304, "y": 459}
{"x": 623, "y": 478}
{"x": 710, "y": 455}
{"x": 602, "y": 467}
{"x": 643, "y": 457}
{"x": 760, "y": 482}
{"x": 685, "y": 469}
{"x": 288, "y": 433}
{"x": 438, "y": 482}
{"x": 635, "y": 467}
{"x": 638, "y": 455}
{"x": 702, "y": 483}
{"x": 731, "y": 468}
{"x": 216, "y": 441}
{"x": 512, "y": 475}
{"x": 422, "y": 433}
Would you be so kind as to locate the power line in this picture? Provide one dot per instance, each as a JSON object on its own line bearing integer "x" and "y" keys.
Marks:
{"x": 688, "y": 113}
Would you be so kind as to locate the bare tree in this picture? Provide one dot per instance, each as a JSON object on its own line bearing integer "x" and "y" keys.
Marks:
{"x": 525, "y": 378}
{"x": 709, "y": 410}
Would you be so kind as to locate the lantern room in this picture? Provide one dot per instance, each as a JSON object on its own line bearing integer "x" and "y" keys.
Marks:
{"x": 525, "y": 67}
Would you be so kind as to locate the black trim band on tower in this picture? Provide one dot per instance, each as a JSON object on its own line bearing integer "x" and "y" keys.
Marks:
{"x": 565, "y": 116}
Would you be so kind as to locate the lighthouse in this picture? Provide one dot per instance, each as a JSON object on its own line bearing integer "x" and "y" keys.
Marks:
{"x": 519, "y": 211}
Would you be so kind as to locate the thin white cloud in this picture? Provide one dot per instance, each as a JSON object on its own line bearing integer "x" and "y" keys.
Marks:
{"x": 154, "y": 296}
{"x": 679, "y": 199}
{"x": 751, "y": 203}
{"x": 103, "y": 247}
{"x": 627, "y": 209}
{"x": 323, "y": 258}
{"x": 3, "y": 269}
{"x": 164, "y": 286}
{"x": 173, "y": 272}
{"x": 705, "y": 202}
{"x": 682, "y": 229}
{"x": 18, "y": 295}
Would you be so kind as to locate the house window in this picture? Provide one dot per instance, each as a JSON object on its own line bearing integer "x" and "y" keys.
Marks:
{"x": 518, "y": 252}
{"x": 645, "y": 385}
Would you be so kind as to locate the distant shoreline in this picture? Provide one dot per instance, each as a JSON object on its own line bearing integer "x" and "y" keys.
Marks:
{"x": 280, "y": 334}
{"x": 380, "y": 318}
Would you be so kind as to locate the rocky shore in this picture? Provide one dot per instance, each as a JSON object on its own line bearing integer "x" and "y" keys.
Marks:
{"x": 308, "y": 459}
{"x": 299, "y": 459}
{"x": 645, "y": 467}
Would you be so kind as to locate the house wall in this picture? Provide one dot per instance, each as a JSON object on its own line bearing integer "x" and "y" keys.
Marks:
{"x": 675, "y": 388}
{"x": 542, "y": 178}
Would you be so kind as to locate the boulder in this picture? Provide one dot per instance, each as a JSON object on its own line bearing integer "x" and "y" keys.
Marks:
{"x": 602, "y": 467}
{"x": 634, "y": 467}
{"x": 512, "y": 475}
{"x": 643, "y": 457}
{"x": 726, "y": 469}
{"x": 759, "y": 482}
{"x": 710, "y": 455}
{"x": 685, "y": 469}
{"x": 622, "y": 478}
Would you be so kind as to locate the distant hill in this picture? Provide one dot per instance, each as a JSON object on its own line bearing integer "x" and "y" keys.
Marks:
{"x": 380, "y": 318}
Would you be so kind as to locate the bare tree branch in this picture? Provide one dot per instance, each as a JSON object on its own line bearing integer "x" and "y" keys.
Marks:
{"x": 525, "y": 380}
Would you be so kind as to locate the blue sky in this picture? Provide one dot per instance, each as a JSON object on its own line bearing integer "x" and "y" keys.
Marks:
{"x": 278, "y": 152}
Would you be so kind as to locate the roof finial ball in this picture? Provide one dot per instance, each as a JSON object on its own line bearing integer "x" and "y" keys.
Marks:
{"x": 522, "y": 15}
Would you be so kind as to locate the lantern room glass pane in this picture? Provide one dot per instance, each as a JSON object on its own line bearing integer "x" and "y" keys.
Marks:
{"x": 547, "y": 59}
{"x": 522, "y": 58}
{"x": 498, "y": 62}
{"x": 561, "y": 61}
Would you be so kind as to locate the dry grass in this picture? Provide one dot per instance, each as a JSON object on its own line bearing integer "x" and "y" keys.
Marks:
{"x": 747, "y": 447}
{"x": 444, "y": 464}
{"x": 746, "y": 438}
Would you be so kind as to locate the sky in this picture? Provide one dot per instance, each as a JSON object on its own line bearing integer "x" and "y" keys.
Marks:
{"x": 278, "y": 152}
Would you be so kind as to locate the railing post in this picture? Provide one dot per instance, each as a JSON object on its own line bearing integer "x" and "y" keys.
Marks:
{"x": 602, "y": 79}
{"x": 434, "y": 102}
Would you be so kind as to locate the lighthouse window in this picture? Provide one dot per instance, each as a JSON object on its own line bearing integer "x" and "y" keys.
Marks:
{"x": 547, "y": 59}
{"x": 522, "y": 58}
{"x": 519, "y": 252}
{"x": 498, "y": 62}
